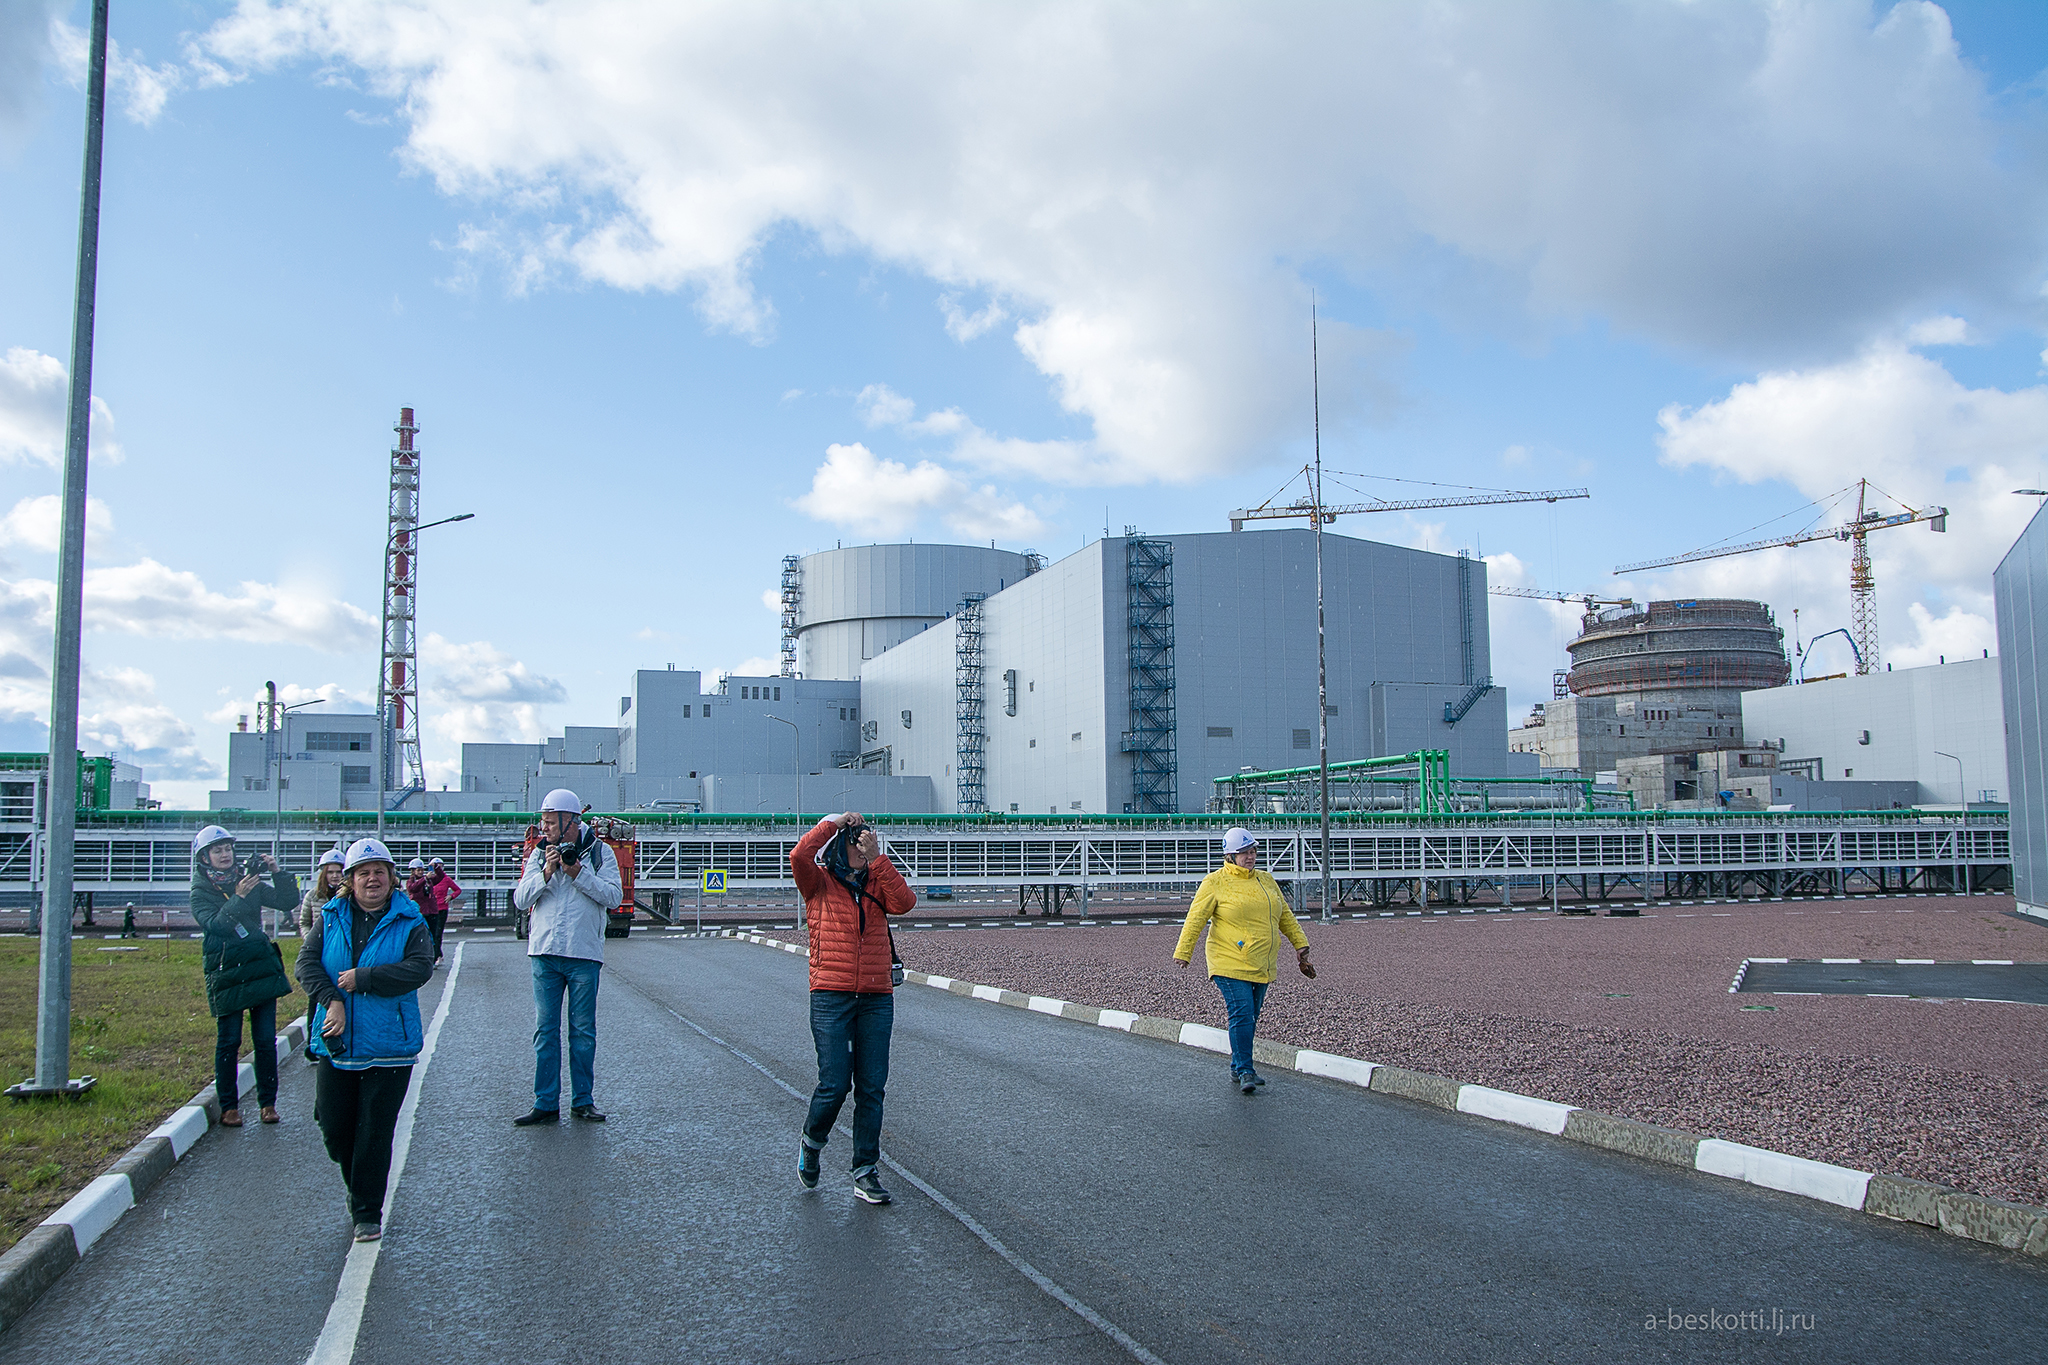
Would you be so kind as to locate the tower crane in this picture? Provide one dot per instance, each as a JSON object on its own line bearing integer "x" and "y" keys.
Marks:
{"x": 1862, "y": 582}
{"x": 1305, "y": 506}
{"x": 1585, "y": 599}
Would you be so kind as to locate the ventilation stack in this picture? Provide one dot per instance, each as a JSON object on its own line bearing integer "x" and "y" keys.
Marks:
{"x": 399, "y": 669}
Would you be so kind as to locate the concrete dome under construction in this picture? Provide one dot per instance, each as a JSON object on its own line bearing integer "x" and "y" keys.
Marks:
{"x": 1693, "y": 645}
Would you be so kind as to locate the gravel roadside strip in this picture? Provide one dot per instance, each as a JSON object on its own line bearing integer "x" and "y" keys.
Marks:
{"x": 1630, "y": 1018}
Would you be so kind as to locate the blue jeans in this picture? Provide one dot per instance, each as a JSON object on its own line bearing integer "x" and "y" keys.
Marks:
{"x": 852, "y": 1034}
{"x": 1242, "y": 1001}
{"x": 552, "y": 976}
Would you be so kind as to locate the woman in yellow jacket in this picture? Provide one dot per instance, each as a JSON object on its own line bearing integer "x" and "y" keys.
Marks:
{"x": 1245, "y": 914}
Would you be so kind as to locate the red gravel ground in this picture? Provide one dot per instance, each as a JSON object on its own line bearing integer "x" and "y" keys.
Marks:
{"x": 1632, "y": 1016}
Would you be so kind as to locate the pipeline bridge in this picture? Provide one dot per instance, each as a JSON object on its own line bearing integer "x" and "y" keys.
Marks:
{"x": 1373, "y": 858}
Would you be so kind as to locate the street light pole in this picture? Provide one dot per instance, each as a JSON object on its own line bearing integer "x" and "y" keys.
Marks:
{"x": 384, "y": 661}
{"x": 53, "y": 978}
{"x": 277, "y": 715}
{"x": 1963, "y": 794}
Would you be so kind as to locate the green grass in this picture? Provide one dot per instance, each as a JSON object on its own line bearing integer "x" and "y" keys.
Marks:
{"x": 139, "y": 1023}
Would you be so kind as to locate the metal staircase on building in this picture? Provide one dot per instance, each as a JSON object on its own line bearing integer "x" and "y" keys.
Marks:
{"x": 1468, "y": 645}
{"x": 792, "y": 603}
{"x": 969, "y": 765}
{"x": 1151, "y": 740}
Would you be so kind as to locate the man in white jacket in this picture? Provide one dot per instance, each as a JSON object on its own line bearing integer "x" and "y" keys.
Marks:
{"x": 570, "y": 883}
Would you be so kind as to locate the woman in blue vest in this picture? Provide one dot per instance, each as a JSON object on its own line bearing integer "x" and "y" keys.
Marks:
{"x": 362, "y": 964}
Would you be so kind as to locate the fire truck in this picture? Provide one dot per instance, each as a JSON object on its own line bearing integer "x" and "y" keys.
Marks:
{"x": 618, "y": 836}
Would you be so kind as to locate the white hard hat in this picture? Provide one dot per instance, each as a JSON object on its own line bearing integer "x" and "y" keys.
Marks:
{"x": 208, "y": 837}
{"x": 366, "y": 851}
{"x": 415, "y": 866}
{"x": 438, "y": 863}
{"x": 1238, "y": 840}
{"x": 562, "y": 799}
{"x": 332, "y": 855}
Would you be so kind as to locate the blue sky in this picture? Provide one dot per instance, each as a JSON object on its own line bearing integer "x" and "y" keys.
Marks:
{"x": 677, "y": 290}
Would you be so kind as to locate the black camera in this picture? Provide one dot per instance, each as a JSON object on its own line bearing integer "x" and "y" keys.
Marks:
{"x": 254, "y": 867}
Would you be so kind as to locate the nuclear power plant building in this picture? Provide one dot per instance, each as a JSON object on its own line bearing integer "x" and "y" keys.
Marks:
{"x": 1128, "y": 675}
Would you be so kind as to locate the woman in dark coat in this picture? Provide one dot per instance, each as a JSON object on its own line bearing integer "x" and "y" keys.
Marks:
{"x": 244, "y": 969}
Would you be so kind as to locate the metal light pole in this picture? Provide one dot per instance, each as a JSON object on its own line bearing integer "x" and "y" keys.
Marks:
{"x": 53, "y": 994}
{"x": 796, "y": 739}
{"x": 1322, "y": 674}
{"x": 1963, "y": 794}
{"x": 384, "y": 664}
{"x": 277, "y": 714}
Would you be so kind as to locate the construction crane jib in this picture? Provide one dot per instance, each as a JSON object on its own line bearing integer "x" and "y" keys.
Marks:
{"x": 1862, "y": 582}
{"x": 1306, "y": 506}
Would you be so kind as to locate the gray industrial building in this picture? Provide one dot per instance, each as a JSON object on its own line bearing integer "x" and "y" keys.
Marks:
{"x": 311, "y": 761}
{"x": 2020, "y": 592}
{"x": 1128, "y": 675}
{"x": 1934, "y": 735}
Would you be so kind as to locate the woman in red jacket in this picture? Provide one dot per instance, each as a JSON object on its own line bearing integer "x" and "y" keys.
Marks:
{"x": 849, "y": 890}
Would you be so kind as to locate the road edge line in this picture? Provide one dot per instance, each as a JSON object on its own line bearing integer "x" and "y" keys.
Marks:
{"x": 1959, "y": 1213}
{"x": 49, "y": 1249}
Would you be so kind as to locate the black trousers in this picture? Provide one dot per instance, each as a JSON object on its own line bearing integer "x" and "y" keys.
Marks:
{"x": 357, "y": 1112}
{"x": 436, "y": 923}
{"x": 227, "y": 1052}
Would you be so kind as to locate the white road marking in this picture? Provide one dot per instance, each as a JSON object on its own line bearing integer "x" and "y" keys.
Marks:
{"x": 988, "y": 1239}
{"x": 337, "y": 1343}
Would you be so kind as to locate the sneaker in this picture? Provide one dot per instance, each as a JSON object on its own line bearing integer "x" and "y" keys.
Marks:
{"x": 537, "y": 1116}
{"x": 1257, "y": 1079}
{"x": 1245, "y": 1081}
{"x": 587, "y": 1113}
{"x": 807, "y": 1165}
{"x": 369, "y": 1232}
{"x": 868, "y": 1188}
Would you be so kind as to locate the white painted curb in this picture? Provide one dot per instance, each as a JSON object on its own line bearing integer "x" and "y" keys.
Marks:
{"x": 182, "y": 1129}
{"x": 1777, "y": 1171}
{"x": 1545, "y": 1116}
{"x": 94, "y": 1209}
{"x": 1118, "y": 1019}
{"x": 1039, "y": 1004}
{"x": 1205, "y": 1037}
{"x": 1335, "y": 1067}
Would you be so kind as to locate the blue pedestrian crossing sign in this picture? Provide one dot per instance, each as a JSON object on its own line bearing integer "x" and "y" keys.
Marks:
{"x": 711, "y": 881}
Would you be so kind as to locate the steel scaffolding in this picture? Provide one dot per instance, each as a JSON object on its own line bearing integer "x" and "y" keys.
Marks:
{"x": 1151, "y": 739}
{"x": 792, "y": 603}
{"x": 399, "y": 668}
{"x": 969, "y": 767}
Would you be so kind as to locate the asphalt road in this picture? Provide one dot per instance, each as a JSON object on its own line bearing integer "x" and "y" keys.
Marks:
{"x": 2024, "y": 983}
{"x": 1311, "y": 1222}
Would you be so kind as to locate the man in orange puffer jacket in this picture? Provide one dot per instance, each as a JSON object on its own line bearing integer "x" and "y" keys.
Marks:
{"x": 849, "y": 890}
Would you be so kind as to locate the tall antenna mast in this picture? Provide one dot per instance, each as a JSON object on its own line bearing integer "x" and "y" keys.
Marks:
{"x": 1322, "y": 675}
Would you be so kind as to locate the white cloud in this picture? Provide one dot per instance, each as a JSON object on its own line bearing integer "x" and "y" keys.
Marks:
{"x": 33, "y": 523}
{"x": 144, "y": 89}
{"x": 119, "y": 714}
{"x": 772, "y": 600}
{"x": 32, "y": 416}
{"x": 475, "y": 693}
{"x": 1901, "y": 420}
{"x": 880, "y": 405}
{"x": 1144, "y": 191}
{"x": 147, "y": 598}
{"x": 24, "y": 47}
{"x": 332, "y": 699}
{"x": 963, "y": 326}
{"x": 884, "y": 498}
{"x": 756, "y": 667}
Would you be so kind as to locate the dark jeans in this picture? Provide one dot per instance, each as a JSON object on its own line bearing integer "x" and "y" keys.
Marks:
{"x": 552, "y": 976}
{"x": 357, "y": 1112}
{"x": 227, "y": 1049}
{"x": 852, "y": 1034}
{"x": 1242, "y": 1001}
{"x": 437, "y": 923}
